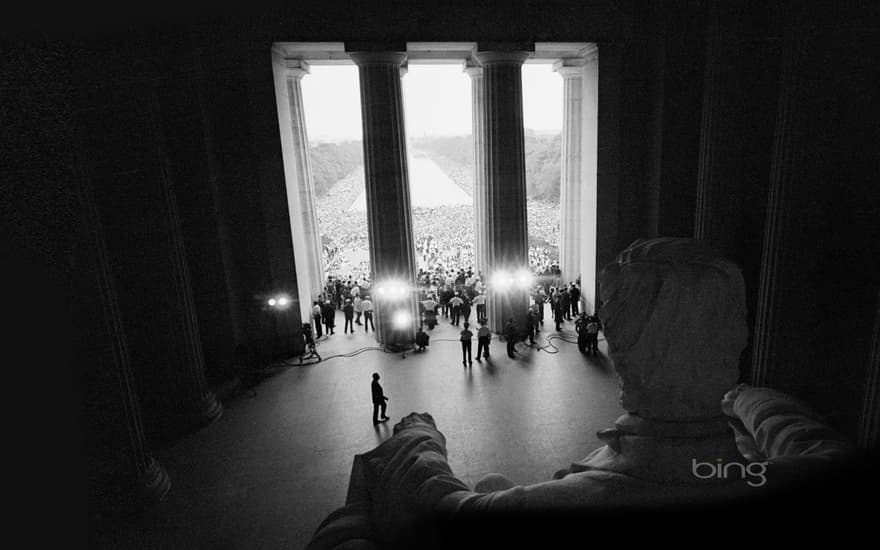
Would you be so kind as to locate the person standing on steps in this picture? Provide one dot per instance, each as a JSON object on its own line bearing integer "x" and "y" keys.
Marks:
{"x": 466, "y": 339}
{"x": 456, "y": 302}
{"x": 329, "y": 317}
{"x": 511, "y": 331}
{"x": 348, "y": 310}
{"x": 480, "y": 302}
{"x": 484, "y": 335}
{"x": 317, "y": 312}
{"x": 367, "y": 307}
{"x": 379, "y": 400}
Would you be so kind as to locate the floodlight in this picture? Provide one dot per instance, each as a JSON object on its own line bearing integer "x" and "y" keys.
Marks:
{"x": 401, "y": 320}
{"x": 499, "y": 280}
{"x": 523, "y": 278}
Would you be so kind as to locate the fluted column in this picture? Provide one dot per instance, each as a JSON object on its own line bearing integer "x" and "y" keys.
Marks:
{"x": 739, "y": 88}
{"x": 389, "y": 214}
{"x": 192, "y": 404}
{"x": 869, "y": 422}
{"x": 571, "y": 200}
{"x": 506, "y": 216}
{"x": 478, "y": 124}
{"x": 301, "y": 189}
{"x": 113, "y": 409}
{"x": 589, "y": 178}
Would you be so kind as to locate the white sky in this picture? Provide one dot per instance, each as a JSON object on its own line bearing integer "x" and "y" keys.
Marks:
{"x": 437, "y": 101}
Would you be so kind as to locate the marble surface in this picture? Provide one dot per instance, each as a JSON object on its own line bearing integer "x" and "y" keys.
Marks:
{"x": 276, "y": 464}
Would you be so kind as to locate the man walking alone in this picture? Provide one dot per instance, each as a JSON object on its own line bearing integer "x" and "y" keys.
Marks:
{"x": 379, "y": 400}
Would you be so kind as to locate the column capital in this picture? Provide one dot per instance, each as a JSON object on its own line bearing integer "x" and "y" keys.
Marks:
{"x": 590, "y": 53}
{"x": 377, "y": 58}
{"x": 296, "y": 68}
{"x": 500, "y": 57}
{"x": 569, "y": 67}
{"x": 472, "y": 68}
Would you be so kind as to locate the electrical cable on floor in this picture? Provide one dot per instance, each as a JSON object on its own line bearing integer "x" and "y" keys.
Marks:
{"x": 548, "y": 348}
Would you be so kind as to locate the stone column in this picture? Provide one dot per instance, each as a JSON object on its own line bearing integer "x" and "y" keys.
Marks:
{"x": 506, "y": 216}
{"x": 589, "y": 179}
{"x": 779, "y": 266}
{"x": 571, "y": 200}
{"x": 478, "y": 102}
{"x": 740, "y": 79}
{"x": 869, "y": 422}
{"x": 389, "y": 214}
{"x": 193, "y": 405}
{"x": 300, "y": 188}
{"x": 113, "y": 410}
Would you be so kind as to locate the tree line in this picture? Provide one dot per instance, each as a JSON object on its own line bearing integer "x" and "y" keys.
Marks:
{"x": 455, "y": 155}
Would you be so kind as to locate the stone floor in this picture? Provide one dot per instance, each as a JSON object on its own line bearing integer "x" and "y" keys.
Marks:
{"x": 275, "y": 464}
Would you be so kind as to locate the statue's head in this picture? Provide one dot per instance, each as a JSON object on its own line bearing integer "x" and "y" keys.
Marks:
{"x": 674, "y": 318}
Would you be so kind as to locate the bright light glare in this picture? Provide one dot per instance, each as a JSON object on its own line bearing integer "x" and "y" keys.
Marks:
{"x": 523, "y": 278}
{"x": 401, "y": 320}
{"x": 505, "y": 280}
{"x": 280, "y": 301}
{"x": 392, "y": 289}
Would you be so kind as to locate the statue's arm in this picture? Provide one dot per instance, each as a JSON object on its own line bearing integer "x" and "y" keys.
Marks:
{"x": 782, "y": 427}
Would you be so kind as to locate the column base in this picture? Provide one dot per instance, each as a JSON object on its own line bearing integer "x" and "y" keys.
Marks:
{"x": 204, "y": 412}
{"x": 154, "y": 483}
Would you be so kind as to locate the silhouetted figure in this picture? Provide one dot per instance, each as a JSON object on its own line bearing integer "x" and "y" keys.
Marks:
{"x": 484, "y": 336}
{"x": 511, "y": 331}
{"x": 580, "y": 326}
{"x": 348, "y": 311}
{"x": 422, "y": 339}
{"x": 593, "y": 327}
{"x": 575, "y": 294}
{"x": 466, "y": 339}
{"x": 466, "y": 311}
{"x": 566, "y": 303}
{"x": 532, "y": 324}
{"x": 558, "y": 313}
{"x": 329, "y": 317}
{"x": 379, "y": 400}
{"x": 309, "y": 349}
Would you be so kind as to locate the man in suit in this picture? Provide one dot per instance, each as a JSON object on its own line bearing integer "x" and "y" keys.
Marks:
{"x": 379, "y": 400}
{"x": 348, "y": 310}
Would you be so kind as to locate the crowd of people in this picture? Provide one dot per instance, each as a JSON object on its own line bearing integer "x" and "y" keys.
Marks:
{"x": 444, "y": 234}
{"x": 458, "y": 295}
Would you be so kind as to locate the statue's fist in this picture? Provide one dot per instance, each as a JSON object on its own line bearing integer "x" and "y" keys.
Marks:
{"x": 415, "y": 419}
{"x": 730, "y": 398}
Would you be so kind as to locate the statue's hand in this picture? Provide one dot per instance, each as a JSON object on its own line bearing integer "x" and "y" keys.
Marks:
{"x": 415, "y": 419}
{"x": 730, "y": 399}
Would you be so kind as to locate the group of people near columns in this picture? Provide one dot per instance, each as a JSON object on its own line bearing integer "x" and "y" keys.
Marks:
{"x": 456, "y": 295}
{"x": 352, "y": 298}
